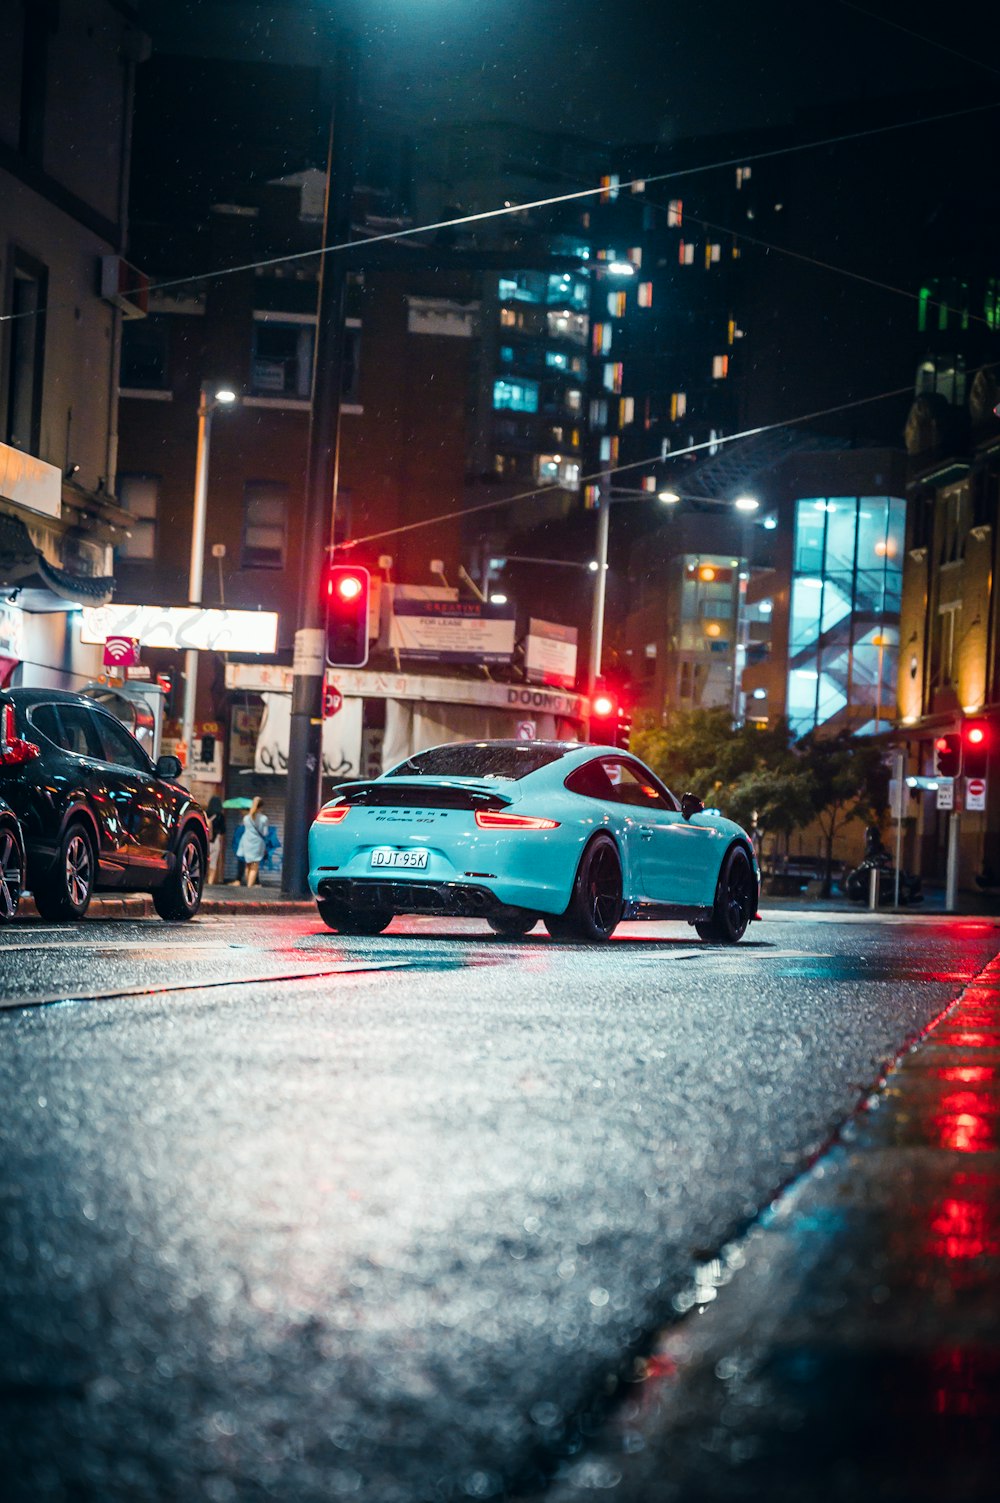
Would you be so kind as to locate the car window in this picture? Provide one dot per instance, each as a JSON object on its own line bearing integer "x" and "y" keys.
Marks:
{"x": 78, "y": 733}
{"x": 631, "y": 784}
{"x": 591, "y": 781}
{"x": 119, "y": 745}
{"x": 479, "y": 759}
{"x": 45, "y": 720}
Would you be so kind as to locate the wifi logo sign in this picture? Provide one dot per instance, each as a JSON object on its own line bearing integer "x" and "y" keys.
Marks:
{"x": 121, "y": 652}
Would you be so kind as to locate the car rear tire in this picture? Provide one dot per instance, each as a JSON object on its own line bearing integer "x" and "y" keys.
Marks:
{"x": 595, "y": 906}
{"x": 11, "y": 872}
{"x": 345, "y": 920}
{"x": 512, "y": 922}
{"x": 66, "y": 890}
{"x": 735, "y": 901}
{"x": 178, "y": 898}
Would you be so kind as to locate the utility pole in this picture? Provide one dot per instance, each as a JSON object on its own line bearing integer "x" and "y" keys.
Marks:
{"x": 600, "y": 588}
{"x": 305, "y": 768}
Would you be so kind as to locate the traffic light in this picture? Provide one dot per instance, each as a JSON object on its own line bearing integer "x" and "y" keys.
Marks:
{"x": 347, "y": 590}
{"x": 610, "y": 721}
{"x": 948, "y": 756}
{"x": 975, "y": 748}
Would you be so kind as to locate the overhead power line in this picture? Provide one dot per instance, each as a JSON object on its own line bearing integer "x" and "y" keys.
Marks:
{"x": 577, "y": 195}
{"x": 965, "y": 57}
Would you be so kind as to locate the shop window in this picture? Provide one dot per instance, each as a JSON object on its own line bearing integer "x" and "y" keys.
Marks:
{"x": 26, "y": 353}
{"x": 516, "y": 396}
{"x": 140, "y": 496}
{"x": 265, "y": 515}
{"x": 145, "y": 354}
{"x": 282, "y": 359}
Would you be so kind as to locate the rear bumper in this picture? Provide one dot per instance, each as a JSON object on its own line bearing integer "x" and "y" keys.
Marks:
{"x": 454, "y": 899}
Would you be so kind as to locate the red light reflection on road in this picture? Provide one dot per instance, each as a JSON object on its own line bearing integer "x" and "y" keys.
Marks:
{"x": 964, "y": 1228}
{"x": 967, "y": 1074}
{"x": 965, "y": 1122}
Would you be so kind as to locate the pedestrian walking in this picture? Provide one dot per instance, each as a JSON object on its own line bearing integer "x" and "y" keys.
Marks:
{"x": 253, "y": 846}
{"x": 217, "y": 834}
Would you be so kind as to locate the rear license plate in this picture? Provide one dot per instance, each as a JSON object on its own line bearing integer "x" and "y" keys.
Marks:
{"x": 384, "y": 855}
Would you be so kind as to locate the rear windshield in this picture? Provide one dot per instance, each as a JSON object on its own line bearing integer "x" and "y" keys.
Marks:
{"x": 477, "y": 760}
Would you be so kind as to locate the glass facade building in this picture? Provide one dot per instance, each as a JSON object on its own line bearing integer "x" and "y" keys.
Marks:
{"x": 847, "y": 578}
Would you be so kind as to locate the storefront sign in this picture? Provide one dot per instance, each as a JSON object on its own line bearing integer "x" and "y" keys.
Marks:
{"x": 182, "y": 627}
{"x": 550, "y": 653}
{"x": 451, "y": 631}
{"x": 11, "y": 631}
{"x": 30, "y": 482}
{"x": 121, "y": 652}
{"x": 341, "y": 739}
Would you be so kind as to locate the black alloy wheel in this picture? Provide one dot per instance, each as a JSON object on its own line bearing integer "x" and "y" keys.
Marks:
{"x": 345, "y": 920}
{"x": 178, "y": 898}
{"x": 735, "y": 901}
{"x": 67, "y": 888}
{"x": 11, "y": 873}
{"x": 595, "y": 906}
{"x": 512, "y": 922}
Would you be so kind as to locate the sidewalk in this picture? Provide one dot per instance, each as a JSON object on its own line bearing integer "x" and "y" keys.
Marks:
{"x": 849, "y": 1346}
{"x": 218, "y": 901}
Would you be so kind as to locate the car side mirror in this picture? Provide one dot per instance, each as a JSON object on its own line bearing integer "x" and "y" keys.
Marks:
{"x": 168, "y": 767}
{"x": 691, "y": 804}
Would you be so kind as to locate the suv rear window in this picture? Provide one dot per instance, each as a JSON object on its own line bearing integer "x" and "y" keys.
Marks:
{"x": 474, "y": 759}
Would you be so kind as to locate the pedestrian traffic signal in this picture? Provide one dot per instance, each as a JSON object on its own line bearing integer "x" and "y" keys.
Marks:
{"x": 948, "y": 756}
{"x": 347, "y": 590}
{"x": 975, "y": 748}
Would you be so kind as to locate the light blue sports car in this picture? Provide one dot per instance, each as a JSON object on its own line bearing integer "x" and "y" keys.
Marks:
{"x": 578, "y": 836}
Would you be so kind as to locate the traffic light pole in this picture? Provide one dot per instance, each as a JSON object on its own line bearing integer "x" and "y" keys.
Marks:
{"x": 305, "y": 747}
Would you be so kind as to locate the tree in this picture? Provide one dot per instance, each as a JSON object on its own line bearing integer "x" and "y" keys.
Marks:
{"x": 849, "y": 781}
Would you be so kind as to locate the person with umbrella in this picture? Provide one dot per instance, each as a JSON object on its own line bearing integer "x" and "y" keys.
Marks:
{"x": 238, "y": 803}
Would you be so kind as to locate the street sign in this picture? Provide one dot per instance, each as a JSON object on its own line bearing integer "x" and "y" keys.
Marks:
{"x": 121, "y": 652}
{"x": 975, "y": 793}
{"x": 333, "y": 701}
{"x": 946, "y": 793}
{"x": 527, "y": 730}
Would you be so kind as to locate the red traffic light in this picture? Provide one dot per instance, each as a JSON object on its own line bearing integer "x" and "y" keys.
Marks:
{"x": 603, "y": 705}
{"x": 347, "y": 590}
{"x": 976, "y": 753}
{"x": 947, "y": 756}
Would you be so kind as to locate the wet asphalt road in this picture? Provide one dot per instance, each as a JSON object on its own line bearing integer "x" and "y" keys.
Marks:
{"x": 386, "y": 1224}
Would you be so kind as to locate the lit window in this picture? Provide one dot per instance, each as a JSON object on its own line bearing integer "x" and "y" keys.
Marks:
{"x": 731, "y": 331}
{"x": 282, "y": 362}
{"x": 720, "y": 367}
{"x": 634, "y": 254}
{"x": 712, "y": 254}
{"x": 616, "y": 304}
{"x": 675, "y": 212}
{"x": 507, "y": 354}
{"x": 556, "y": 469}
{"x": 685, "y": 253}
{"x": 639, "y": 185}
{"x": 609, "y": 185}
{"x": 265, "y": 507}
{"x": 573, "y": 399}
{"x": 140, "y": 496}
{"x": 626, "y": 411}
{"x": 678, "y": 405}
{"x": 645, "y": 295}
{"x": 613, "y": 373}
{"x": 511, "y": 318}
{"x": 598, "y": 413}
{"x": 518, "y": 396}
{"x": 742, "y": 176}
{"x": 556, "y": 360}
{"x": 567, "y": 325}
{"x": 609, "y": 450}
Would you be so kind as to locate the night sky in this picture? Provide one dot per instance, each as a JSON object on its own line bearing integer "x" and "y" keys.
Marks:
{"x": 616, "y": 70}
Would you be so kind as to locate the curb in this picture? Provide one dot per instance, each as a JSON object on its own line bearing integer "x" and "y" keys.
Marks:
{"x": 139, "y": 905}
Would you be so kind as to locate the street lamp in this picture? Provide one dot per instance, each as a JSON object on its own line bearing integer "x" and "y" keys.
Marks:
{"x": 209, "y": 399}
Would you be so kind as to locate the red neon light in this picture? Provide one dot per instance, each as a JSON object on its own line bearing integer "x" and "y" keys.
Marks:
{"x": 332, "y": 814}
{"x": 500, "y": 819}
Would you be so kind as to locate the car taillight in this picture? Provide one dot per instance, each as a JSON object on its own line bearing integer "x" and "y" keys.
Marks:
{"x": 333, "y": 814}
{"x": 14, "y": 750}
{"x": 502, "y": 819}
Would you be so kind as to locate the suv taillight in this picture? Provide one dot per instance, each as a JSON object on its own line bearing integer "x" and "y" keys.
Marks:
{"x": 13, "y": 750}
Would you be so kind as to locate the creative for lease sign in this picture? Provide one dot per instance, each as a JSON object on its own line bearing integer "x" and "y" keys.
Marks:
{"x": 182, "y": 627}
{"x": 451, "y": 631}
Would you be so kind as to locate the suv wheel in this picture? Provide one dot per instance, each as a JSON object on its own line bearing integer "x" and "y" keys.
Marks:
{"x": 11, "y": 873}
{"x": 67, "y": 888}
{"x": 179, "y": 897}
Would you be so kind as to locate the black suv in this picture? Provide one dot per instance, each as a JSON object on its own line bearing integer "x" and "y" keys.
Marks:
{"x": 94, "y": 811}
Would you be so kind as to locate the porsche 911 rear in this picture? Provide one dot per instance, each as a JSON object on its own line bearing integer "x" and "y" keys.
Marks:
{"x": 458, "y": 847}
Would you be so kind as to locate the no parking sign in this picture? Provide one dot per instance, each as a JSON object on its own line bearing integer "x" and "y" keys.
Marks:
{"x": 975, "y": 793}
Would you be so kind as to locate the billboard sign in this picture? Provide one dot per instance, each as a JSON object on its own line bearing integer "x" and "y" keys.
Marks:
{"x": 182, "y": 627}
{"x": 451, "y": 631}
{"x": 550, "y": 654}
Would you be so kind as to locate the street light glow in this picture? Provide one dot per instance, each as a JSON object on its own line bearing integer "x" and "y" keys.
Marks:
{"x": 746, "y": 503}
{"x": 225, "y": 395}
{"x": 669, "y": 498}
{"x": 621, "y": 269}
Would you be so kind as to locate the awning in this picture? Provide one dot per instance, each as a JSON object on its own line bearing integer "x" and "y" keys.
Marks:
{"x": 27, "y": 577}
